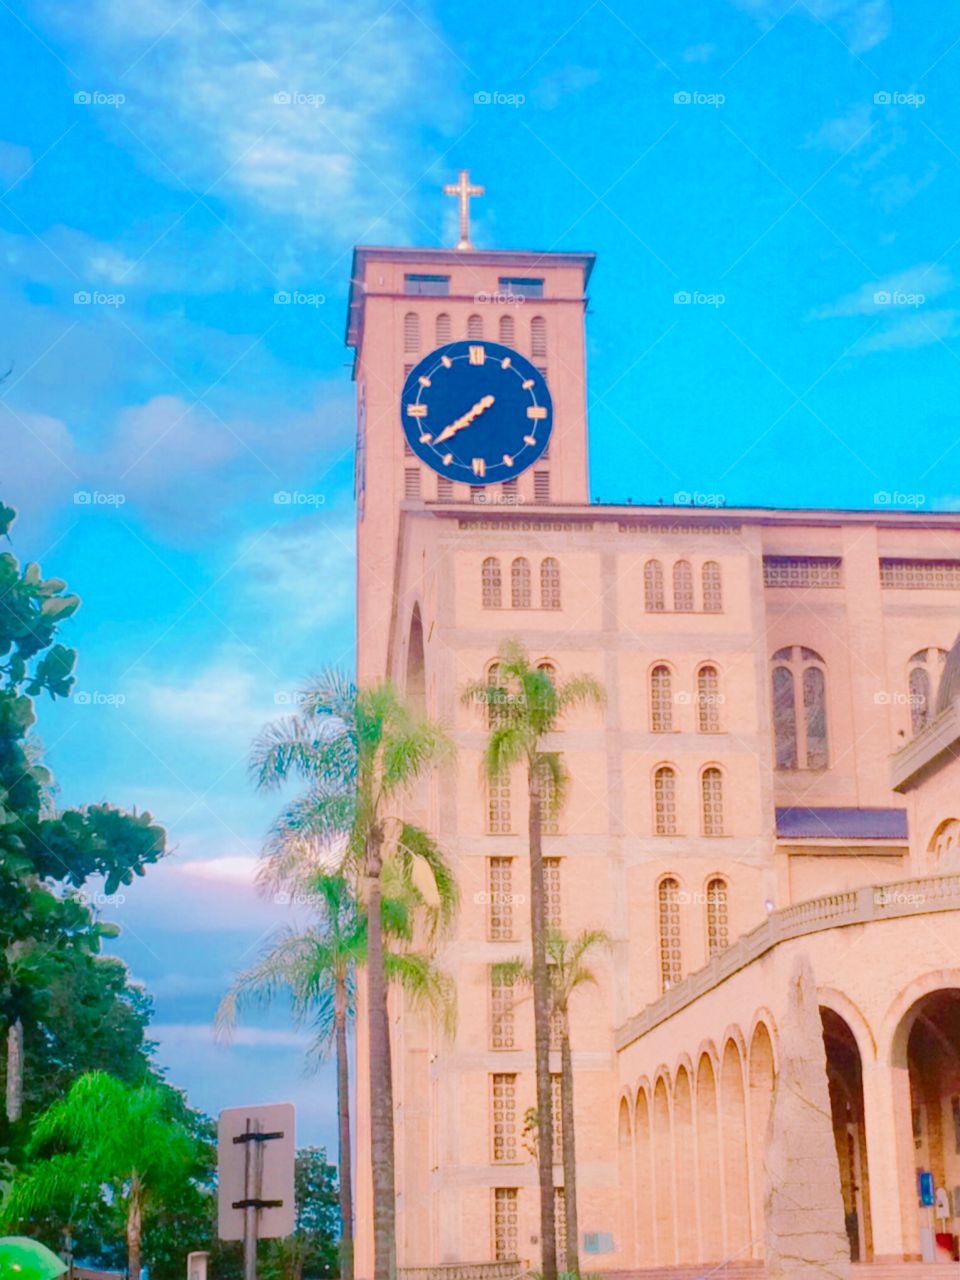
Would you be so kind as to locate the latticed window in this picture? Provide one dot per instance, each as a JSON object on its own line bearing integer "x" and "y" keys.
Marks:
{"x": 444, "y": 489}
{"x": 549, "y": 804}
{"x": 520, "y": 596}
{"x": 492, "y": 583}
{"x": 560, "y": 1226}
{"x": 474, "y": 326}
{"x": 708, "y": 700}
{"x": 556, "y": 1029}
{"x": 712, "y": 587}
{"x": 541, "y": 486}
{"x": 500, "y": 899}
{"x": 718, "y": 921}
{"x": 503, "y": 1101}
{"x": 924, "y": 674}
{"x": 683, "y": 587}
{"x": 556, "y": 1115}
{"x": 802, "y": 571}
{"x": 538, "y": 337}
{"x": 549, "y": 583}
{"x": 665, "y": 801}
{"x": 551, "y": 884}
{"x": 498, "y": 807}
{"x": 653, "y": 598}
{"x": 508, "y": 331}
{"x": 444, "y": 329}
{"x": 502, "y": 1023}
{"x": 505, "y": 1224}
{"x": 799, "y": 709}
{"x": 661, "y": 699}
{"x": 411, "y": 331}
{"x": 411, "y": 482}
{"x": 920, "y": 575}
{"x": 496, "y": 703}
{"x": 671, "y": 952}
{"x": 711, "y": 801}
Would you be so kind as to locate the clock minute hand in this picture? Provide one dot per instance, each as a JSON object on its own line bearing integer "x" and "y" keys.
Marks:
{"x": 480, "y": 407}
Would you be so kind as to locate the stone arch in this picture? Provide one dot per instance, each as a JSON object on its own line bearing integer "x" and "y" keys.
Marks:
{"x": 845, "y": 1082}
{"x": 708, "y": 1158}
{"x": 733, "y": 1130}
{"x": 416, "y": 679}
{"x": 687, "y": 1194}
{"x": 625, "y": 1167}
{"x": 761, "y": 1073}
{"x": 664, "y": 1214}
{"x": 643, "y": 1179}
{"x": 842, "y": 1005}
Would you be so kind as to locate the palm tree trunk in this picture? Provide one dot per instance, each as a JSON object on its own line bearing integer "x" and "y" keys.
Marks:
{"x": 14, "y": 1098}
{"x": 134, "y": 1226}
{"x": 541, "y": 1024}
{"x": 381, "y": 1077}
{"x": 569, "y": 1149}
{"x": 343, "y": 1108}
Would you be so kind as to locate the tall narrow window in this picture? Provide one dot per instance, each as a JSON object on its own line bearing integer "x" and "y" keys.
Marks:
{"x": 541, "y": 486}
{"x": 411, "y": 482}
{"x": 506, "y": 1228}
{"x": 815, "y": 716}
{"x": 556, "y": 1115}
{"x": 444, "y": 489}
{"x": 508, "y": 331}
{"x": 924, "y": 675}
{"x": 495, "y": 704}
{"x": 500, "y": 899}
{"x": 474, "y": 326}
{"x": 661, "y": 699}
{"x": 708, "y": 700}
{"x": 560, "y": 1222}
{"x": 683, "y": 587}
{"x": 784, "y": 718}
{"x": 549, "y": 583}
{"x": 502, "y": 1025}
{"x": 712, "y": 587}
{"x": 800, "y": 708}
{"x": 492, "y": 583}
{"x": 520, "y": 583}
{"x": 718, "y": 923}
{"x": 671, "y": 954}
{"x": 498, "y": 806}
{"x": 551, "y": 885}
{"x": 444, "y": 329}
{"x": 411, "y": 331}
{"x": 538, "y": 337}
{"x": 653, "y": 599}
{"x": 711, "y": 801}
{"x": 503, "y": 1105}
{"x": 665, "y": 801}
{"x": 549, "y": 804}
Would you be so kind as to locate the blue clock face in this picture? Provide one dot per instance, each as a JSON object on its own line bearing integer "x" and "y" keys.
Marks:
{"x": 477, "y": 412}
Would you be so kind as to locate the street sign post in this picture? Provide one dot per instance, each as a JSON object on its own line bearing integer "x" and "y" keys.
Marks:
{"x": 256, "y": 1148}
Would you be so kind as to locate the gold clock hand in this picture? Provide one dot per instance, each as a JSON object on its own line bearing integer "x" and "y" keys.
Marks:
{"x": 480, "y": 407}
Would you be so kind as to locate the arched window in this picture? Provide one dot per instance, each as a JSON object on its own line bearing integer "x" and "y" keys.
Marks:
{"x": 800, "y": 709}
{"x": 520, "y": 583}
{"x": 549, "y": 583}
{"x": 665, "y": 801}
{"x": 718, "y": 921}
{"x": 411, "y": 331}
{"x": 711, "y": 801}
{"x": 945, "y": 846}
{"x": 661, "y": 699}
{"x": 653, "y": 600}
{"x": 712, "y": 587}
{"x": 495, "y": 704}
{"x": 444, "y": 329}
{"x": 538, "y": 337}
{"x": 683, "y": 587}
{"x": 668, "y": 930}
{"x": 924, "y": 676}
{"x": 475, "y": 326}
{"x": 508, "y": 331}
{"x": 492, "y": 583}
{"x": 708, "y": 699}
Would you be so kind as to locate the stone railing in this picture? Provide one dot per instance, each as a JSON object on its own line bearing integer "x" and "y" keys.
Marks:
{"x": 836, "y": 910}
{"x": 466, "y": 1271}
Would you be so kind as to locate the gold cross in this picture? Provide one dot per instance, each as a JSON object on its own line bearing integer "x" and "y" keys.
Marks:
{"x": 463, "y": 190}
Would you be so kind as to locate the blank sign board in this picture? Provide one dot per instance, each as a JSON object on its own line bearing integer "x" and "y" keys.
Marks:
{"x": 265, "y": 1136}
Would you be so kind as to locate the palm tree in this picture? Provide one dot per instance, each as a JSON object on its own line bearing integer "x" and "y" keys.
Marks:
{"x": 104, "y": 1133}
{"x": 524, "y": 705}
{"x": 361, "y": 751}
{"x": 568, "y": 967}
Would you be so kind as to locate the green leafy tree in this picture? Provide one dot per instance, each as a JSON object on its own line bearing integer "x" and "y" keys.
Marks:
{"x": 361, "y": 752}
{"x": 310, "y": 1253}
{"x": 524, "y": 705}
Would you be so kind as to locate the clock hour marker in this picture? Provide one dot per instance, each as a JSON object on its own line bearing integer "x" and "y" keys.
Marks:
{"x": 507, "y": 460}
{"x": 446, "y": 362}
{"x": 505, "y": 362}
{"x": 426, "y": 438}
{"x": 416, "y": 410}
{"x": 479, "y": 467}
{"x": 537, "y": 411}
{"x": 529, "y": 439}
{"x": 528, "y": 383}
{"x": 425, "y": 382}
{"x": 447, "y": 459}
{"x": 478, "y": 355}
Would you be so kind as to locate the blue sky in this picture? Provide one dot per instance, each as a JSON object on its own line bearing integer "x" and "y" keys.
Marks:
{"x": 792, "y": 167}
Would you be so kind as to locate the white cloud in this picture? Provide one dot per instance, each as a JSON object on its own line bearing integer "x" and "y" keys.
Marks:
{"x": 225, "y": 700}
{"x": 862, "y": 23}
{"x": 305, "y": 568}
{"x": 879, "y": 297}
{"x": 178, "y": 1033}
{"x": 840, "y": 133}
{"x": 920, "y": 329}
{"x": 698, "y": 53}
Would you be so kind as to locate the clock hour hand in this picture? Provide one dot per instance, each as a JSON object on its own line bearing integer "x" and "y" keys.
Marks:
{"x": 480, "y": 407}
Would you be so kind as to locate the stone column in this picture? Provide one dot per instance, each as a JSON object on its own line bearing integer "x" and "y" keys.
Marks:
{"x": 886, "y": 1113}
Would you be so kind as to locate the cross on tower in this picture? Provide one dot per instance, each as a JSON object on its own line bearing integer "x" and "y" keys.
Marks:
{"x": 463, "y": 190}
